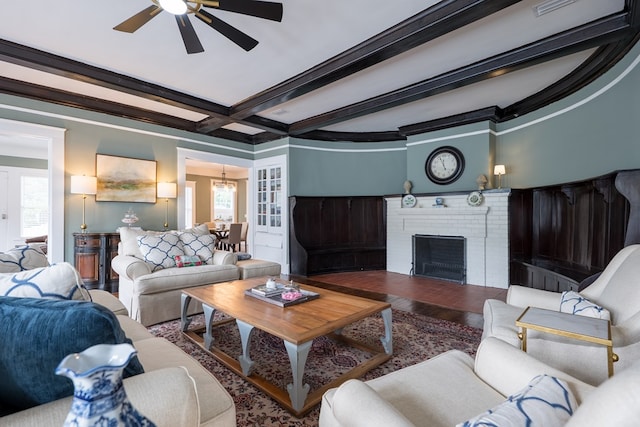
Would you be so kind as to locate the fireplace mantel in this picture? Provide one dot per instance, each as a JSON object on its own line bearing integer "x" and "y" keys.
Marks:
{"x": 447, "y": 211}
{"x": 484, "y": 227}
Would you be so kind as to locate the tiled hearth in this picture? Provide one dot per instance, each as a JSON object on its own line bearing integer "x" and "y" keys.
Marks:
{"x": 485, "y": 227}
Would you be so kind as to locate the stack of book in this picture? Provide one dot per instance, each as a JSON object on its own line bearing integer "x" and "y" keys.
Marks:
{"x": 262, "y": 290}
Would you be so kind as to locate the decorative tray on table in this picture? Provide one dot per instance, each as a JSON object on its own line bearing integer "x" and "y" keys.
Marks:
{"x": 281, "y": 295}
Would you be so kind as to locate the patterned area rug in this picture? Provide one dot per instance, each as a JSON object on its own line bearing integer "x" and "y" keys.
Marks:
{"x": 415, "y": 338}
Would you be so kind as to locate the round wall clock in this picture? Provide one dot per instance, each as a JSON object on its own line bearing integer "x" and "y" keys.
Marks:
{"x": 444, "y": 165}
{"x": 409, "y": 201}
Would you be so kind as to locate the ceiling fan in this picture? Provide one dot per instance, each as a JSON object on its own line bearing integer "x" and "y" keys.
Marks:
{"x": 183, "y": 8}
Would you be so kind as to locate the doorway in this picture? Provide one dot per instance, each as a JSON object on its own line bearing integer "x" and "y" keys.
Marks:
{"x": 26, "y": 142}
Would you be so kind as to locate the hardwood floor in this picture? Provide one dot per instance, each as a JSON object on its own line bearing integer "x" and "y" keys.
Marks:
{"x": 431, "y": 297}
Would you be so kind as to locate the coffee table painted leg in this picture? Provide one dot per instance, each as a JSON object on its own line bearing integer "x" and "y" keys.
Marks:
{"x": 245, "y": 336}
{"x": 185, "y": 320}
{"x": 208, "y": 318}
{"x": 387, "y": 340}
{"x": 298, "y": 358}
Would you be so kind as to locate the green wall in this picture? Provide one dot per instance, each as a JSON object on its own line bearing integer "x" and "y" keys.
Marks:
{"x": 20, "y": 162}
{"x": 590, "y": 133}
{"x": 346, "y": 169}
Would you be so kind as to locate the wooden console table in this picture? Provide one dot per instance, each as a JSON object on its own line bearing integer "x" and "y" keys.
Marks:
{"x": 92, "y": 254}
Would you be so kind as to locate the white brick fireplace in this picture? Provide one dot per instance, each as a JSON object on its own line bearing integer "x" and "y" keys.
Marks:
{"x": 485, "y": 228}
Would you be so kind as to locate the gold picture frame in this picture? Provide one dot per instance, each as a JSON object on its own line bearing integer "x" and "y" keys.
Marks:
{"x": 123, "y": 179}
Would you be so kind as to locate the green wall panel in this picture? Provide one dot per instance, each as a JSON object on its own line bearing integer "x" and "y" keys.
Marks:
{"x": 346, "y": 169}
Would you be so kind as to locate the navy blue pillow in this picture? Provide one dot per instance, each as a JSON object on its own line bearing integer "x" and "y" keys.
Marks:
{"x": 36, "y": 334}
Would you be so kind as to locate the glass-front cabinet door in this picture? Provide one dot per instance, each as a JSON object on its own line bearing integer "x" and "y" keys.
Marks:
{"x": 269, "y": 194}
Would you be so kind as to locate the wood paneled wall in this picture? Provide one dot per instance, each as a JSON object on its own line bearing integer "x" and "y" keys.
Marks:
{"x": 329, "y": 234}
{"x": 573, "y": 229}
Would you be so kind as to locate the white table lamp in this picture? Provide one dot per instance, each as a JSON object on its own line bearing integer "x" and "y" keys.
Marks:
{"x": 167, "y": 190}
{"x": 82, "y": 184}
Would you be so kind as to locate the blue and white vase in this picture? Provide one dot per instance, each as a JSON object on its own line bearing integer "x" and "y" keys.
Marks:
{"x": 99, "y": 398}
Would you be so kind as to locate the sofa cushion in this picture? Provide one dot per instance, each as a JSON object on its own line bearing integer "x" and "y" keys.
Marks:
{"x": 187, "y": 261}
{"x": 256, "y": 267}
{"x": 202, "y": 230}
{"x": 36, "y": 334}
{"x": 545, "y": 401}
{"x": 160, "y": 250}
{"x": 22, "y": 258}
{"x": 58, "y": 281}
{"x": 200, "y": 245}
{"x": 574, "y": 303}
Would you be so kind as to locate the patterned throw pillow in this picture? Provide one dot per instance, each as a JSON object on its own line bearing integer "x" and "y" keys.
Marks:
{"x": 187, "y": 261}
{"x": 574, "y": 303}
{"x": 58, "y": 281}
{"x": 545, "y": 401}
{"x": 198, "y": 245}
{"x": 22, "y": 258}
{"x": 160, "y": 250}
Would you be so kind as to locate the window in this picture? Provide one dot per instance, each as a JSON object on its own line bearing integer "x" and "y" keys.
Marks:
{"x": 189, "y": 204}
{"x": 34, "y": 206}
{"x": 269, "y": 193}
{"x": 224, "y": 201}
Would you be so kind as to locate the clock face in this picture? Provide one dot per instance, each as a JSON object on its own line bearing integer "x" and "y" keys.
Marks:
{"x": 444, "y": 165}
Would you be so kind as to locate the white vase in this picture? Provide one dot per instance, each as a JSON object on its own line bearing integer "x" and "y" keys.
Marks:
{"x": 99, "y": 398}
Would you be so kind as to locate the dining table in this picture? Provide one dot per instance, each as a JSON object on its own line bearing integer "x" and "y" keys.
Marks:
{"x": 220, "y": 234}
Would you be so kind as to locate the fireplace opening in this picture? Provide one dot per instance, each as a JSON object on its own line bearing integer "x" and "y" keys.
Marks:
{"x": 439, "y": 257}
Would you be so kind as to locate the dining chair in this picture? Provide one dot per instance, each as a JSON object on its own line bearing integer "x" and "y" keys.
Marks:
{"x": 243, "y": 235}
{"x": 233, "y": 239}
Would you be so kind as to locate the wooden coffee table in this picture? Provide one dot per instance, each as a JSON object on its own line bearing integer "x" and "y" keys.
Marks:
{"x": 297, "y": 325}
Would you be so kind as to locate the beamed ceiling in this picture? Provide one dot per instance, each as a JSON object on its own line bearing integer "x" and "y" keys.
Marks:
{"x": 357, "y": 70}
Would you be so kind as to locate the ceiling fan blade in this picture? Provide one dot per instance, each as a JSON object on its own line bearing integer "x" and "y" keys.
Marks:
{"x": 238, "y": 37}
{"x": 260, "y": 9}
{"x": 138, "y": 20}
{"x": 189, "y": 36}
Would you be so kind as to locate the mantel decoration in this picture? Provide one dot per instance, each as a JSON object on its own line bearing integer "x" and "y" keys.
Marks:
{"x": 99, "y": 398}
{"x": 475, "y": 198}
{"x": 121, "y": 179}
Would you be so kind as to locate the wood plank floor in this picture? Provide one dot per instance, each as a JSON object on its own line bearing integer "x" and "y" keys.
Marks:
{"x": 431, "y": 297}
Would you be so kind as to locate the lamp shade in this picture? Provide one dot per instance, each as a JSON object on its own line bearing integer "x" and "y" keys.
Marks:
{"x": 499, "y": 170}
{"x": 167, "y": 190}
{"x": 82, "y": 184}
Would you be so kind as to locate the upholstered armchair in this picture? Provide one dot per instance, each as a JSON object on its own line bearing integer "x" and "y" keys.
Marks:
{"x": 499, "y": 388}
{"x": 617, "y": 290}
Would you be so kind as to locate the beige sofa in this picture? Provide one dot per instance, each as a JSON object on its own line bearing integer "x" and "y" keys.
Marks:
{"x": 184, "y": 393}
{"x": 154, "y": 296}
{"x": 452, "y": 388}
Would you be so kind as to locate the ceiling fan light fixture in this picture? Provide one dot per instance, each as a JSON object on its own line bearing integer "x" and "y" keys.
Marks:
{"x": 176, "y": 7}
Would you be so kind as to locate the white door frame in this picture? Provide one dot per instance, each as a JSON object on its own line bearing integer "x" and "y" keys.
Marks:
{"x": 52, "y": 139}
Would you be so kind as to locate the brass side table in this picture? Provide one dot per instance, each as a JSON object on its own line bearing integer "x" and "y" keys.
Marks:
{"x": 582, "y": 328}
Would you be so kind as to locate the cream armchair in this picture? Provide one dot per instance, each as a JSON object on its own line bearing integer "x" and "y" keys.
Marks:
{"x": 617, "y": 289}
{"x": 451, "y": 388}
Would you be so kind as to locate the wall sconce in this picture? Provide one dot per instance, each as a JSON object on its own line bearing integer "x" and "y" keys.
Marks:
{"x": 81, "y": 184}
{"x": 499, "y": 170}
{"x": 166, "y": 190}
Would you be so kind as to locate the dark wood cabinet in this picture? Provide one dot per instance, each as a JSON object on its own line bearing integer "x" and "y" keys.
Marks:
{"x": 93, "y": 253}
{"x": 332, "y": 234}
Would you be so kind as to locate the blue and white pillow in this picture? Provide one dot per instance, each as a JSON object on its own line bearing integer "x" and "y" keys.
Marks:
{"x": 574, "y": 303}
{"x": 198, "y": 245}
{"x": 58, "y": 281}
{"x": 545, "y": 401}
{"x": 160, "y": 250}
{"x": 22, "y": 258}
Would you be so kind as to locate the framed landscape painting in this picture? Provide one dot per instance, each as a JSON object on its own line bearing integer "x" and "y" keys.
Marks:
{"x": 121, "y": 179}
